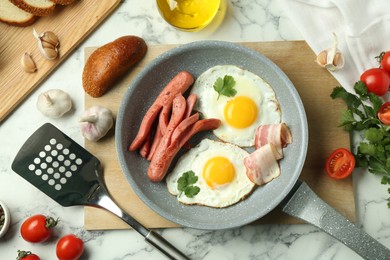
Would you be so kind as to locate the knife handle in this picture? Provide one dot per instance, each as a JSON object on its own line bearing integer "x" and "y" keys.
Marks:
{"x": 307, "y": 206}
{"x": 164, "y": 246}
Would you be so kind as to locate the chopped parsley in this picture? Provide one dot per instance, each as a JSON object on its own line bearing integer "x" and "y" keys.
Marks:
{"x": 185, "y": 184}
{"x": 225, "y": 86}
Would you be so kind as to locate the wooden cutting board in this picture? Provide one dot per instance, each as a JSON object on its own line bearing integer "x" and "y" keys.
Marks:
{"x": 314, "y": 85}
{"x": 70, "y": 23}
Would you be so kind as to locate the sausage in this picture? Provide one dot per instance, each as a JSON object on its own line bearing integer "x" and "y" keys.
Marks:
{"x": 179, "y": 84}
{"x": 178, "y": 110}
{"x": 199, "y": 126}
{"x": 146, "y": 146}
{"x": 156, "y": 141}
{"x": 162, "y": 160}
{"x": 191, "y": 100}
{"x": 110, "y": 62}
{"x": 163, "y": 119}
{"x": 184, "y": 125}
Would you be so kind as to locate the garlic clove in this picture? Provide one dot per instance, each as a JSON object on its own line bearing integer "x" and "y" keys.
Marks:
{"x": 95, "y": 122}
{"x": 50, "y": 54}
{"x": 28, "y": 63}
{"x": 47, "y": 44}
{"x": 54, "y": 103}
{"x": 50, "y": 37}
{"x": 332, "y": 59}
{"x": 321, "y": 58}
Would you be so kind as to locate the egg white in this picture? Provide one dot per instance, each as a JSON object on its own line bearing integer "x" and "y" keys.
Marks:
{"x": 247, "y": 84}
{"x": 195, "y": 159}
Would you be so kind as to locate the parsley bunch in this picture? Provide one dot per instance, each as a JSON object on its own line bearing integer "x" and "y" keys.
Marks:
{"x": 373, "y": 152}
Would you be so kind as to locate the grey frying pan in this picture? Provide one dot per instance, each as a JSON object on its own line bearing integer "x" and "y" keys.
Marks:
{"x": 196, "y": 58}
{"x": 297, "y": 198}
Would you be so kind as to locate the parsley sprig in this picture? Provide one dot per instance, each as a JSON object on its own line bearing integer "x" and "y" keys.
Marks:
{"x": 185, "y": 184}
{"x": 373, "y": 152}
{"x": 225, "y": 86}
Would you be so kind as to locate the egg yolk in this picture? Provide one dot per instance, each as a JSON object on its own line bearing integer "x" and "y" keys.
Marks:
{"x": 240, "y": 112}
{"x": 218, "y": 171}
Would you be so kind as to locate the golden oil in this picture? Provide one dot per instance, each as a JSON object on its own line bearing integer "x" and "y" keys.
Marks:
{"x": 189, "y": 15}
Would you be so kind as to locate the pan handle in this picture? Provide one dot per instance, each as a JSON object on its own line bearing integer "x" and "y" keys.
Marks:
{"x": 307, "y": 206}
{"x": 100, "y": 197}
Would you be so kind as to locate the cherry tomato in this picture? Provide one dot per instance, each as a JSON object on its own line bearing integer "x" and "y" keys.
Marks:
{"x": 27, "y": 255}
{"x": 340, "y": 164}
{"x": 69, "y": 247}
{"x": 37, "y": 228}
{"x": 384, "y": 113}
{"x": 377, "y": 80}
{"x": 385, "y": 62}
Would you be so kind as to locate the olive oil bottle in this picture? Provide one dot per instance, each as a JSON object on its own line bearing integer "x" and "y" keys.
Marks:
{"x": 189, "y": 15}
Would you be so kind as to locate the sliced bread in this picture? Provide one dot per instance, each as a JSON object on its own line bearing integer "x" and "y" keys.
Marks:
{"x": 63, "y": 2}
{"x": 36, "y": 7}
{"x": 11, "y": 14}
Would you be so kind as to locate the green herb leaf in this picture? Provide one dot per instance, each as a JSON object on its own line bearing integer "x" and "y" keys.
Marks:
{"x": 374, "y": 135}
{"x": 376, "y": 102}
{"x": 374, "y": 150}
{"x": 360, "y": 88}
{"x": 191, "y": 191}
{"x": 185, "y": 184}
{"x": 225, "y": 86}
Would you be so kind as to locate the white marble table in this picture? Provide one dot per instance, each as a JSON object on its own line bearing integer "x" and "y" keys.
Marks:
{"x": 260, "y": 20}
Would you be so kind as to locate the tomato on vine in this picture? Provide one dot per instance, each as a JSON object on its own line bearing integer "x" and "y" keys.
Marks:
{"x": 377, "y": 80}
{"x": 37, "y": 228}
{"x": 27, "y": 255}
{"x": 384, "y": 59}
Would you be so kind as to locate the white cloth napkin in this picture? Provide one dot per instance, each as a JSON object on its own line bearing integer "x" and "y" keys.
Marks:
{"x": 362, "y": 28}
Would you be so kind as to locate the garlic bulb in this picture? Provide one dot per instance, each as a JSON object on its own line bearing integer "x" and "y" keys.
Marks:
{"x": 48, "y": 44}
{"x": 332, "y": 59}
{"x": 95, "y": 122}
{"x": 54, "y": 103}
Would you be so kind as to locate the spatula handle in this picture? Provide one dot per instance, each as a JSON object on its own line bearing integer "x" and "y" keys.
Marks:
{"x": 101, "y": 198}
{"x": 306, "y": 205}
{"x": 164, "y": 246}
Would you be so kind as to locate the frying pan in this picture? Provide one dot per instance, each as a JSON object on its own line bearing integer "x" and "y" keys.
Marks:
{"x": 196, "y": 58}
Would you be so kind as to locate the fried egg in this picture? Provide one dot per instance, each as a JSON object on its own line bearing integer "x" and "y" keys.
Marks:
{"x": 254, "y": 104}
{"x": 221, "y": 174}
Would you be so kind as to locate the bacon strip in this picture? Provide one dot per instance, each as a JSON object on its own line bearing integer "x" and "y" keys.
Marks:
{"x": 277, "y": 134}
{"x": 262, "y": 165}
{"x": 178, "y": 85}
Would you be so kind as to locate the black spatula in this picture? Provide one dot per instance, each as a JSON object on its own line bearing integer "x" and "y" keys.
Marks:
{"x": 70, "y": 175}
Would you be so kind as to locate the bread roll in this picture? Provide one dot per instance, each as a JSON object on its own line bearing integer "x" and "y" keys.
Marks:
{"x": 110, "y": 62}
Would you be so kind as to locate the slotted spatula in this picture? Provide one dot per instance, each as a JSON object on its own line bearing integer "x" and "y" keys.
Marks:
{"x": 70, "y": 175}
